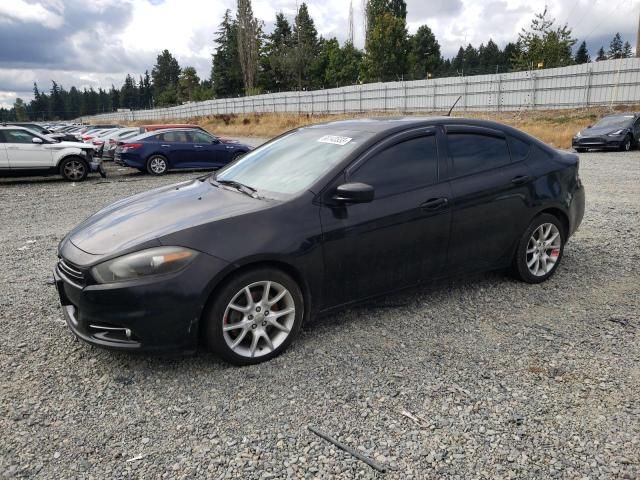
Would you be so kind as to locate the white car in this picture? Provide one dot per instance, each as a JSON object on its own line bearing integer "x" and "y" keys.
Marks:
{"x": 25, "y": 152}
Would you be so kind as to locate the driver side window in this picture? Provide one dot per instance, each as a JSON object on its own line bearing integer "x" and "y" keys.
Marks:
{"x": 200, "y": 137}
{"x": 401, "y": 167}
{"x": 17, "y": 136}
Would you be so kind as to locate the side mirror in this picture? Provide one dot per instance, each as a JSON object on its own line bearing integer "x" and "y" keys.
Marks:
{"x": 215, "y": 141}
{"x": 36, "y": 140}
{"x": 354, "y": 193}
{"x": 588, "y": 126}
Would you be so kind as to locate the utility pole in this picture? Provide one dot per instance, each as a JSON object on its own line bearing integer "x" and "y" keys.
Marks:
{"x": 351, "y": 22}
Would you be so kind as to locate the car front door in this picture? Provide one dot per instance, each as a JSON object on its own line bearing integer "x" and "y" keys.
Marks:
{"x": 401, "y": 236}
{"x": 210, "y": 152}
{"x": 4, "y": 158}
{"x": 491, "y": 196}
{"x": 23, "y": 153}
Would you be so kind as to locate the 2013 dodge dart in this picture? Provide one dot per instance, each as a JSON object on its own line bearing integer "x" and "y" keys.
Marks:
{"x": 314, "y": 220}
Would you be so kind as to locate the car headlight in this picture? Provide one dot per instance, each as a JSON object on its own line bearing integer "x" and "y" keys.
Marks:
{"x": 154, "y": 261}
{"x": 615, "y": 134}
{"x": 578, "y": 135}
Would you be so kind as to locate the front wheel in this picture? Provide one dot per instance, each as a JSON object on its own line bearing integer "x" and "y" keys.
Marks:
{"x": 74, "y": 169}
{"x": 254, "y": 317}
{"x": 627, "y": 144}
{"x": 157, "y": 165}
{"x": 540, "y": 249}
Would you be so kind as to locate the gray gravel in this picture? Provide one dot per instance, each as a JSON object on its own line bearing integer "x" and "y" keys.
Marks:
{"x": 496, "y": 379}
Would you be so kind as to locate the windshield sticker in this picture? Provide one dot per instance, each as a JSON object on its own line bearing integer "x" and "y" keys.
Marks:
{"x": 335, "y": 139}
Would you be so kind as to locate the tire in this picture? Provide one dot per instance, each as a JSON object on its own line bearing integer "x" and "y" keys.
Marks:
{"x": 581, "y": 150}
{"x": 74, "y": 169}
{"x": 157, "y": 165}
{"x": 627, "y": 145}
{"x": 256, "y": 317}
{"x": 548, "y": 255}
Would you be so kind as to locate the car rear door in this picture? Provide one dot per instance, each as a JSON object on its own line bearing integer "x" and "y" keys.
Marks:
{"x": 398, "y": 239}
{"x": 491, "y": 197}
{"x": 178, "y": 149}
{"x": 23, "y": 153}
{"x": 210, "y": 152}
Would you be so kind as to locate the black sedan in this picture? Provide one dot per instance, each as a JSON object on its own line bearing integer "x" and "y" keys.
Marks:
{"x": 619, "y": 131}
{"x": 314, "y": 220}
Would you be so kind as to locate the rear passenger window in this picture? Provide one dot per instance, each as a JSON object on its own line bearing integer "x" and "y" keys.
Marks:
{"x": 519, "y": 149}
{"x": 472, "y": 152}
{"x": 401, "y": 167}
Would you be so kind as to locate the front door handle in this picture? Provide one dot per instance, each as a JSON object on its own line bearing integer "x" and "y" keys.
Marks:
{"x": 198, "y": 146}
{"x": 435, "y": 203}
{"x": 167, "y": 146}
{"x": 520, "y": 179}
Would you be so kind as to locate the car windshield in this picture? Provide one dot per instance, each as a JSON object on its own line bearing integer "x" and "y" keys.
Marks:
{"x": 618, "y": 121}
{"x": 293, "y": 162}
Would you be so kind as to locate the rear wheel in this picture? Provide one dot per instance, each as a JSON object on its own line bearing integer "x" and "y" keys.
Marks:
{"x": 157, "y": 165}
{"x": 74, "y": 169}
{"x": 254, "y": 317}
{"x": 540, "y": 249}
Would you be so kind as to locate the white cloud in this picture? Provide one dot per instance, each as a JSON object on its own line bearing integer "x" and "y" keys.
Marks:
{"x": 20, "y": 10}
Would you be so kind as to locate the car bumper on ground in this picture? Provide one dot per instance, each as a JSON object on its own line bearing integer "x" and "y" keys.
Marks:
{"x": 600, "y": 142}
{"x": 159, "y": 314}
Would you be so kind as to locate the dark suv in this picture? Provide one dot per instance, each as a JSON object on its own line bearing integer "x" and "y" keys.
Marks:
{"x": 619, "y": 131}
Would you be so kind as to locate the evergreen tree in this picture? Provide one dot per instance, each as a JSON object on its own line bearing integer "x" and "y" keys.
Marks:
{"x": 544, "y": 45}
{"x": 511, "y": 51}
{"x": 56, "y": 102}
{"x": 165, "y": 74}
{"x": 615, "y": 47}
{"x": 275, "y": 74}
{"x": 129, "y": 93}
{"x": 490, "y": 58}
{"x": 582, "y": 55}
{"x": 114, "y": 94}
{"x": 601, "y": 55}
{"x": 146, "y": 92}
{"x": 73, "y": 103}
{"x": 20, "y": 110}
{"x": 424, "y": 53}
{"x": 226, "y": 75}
{"x": 627, "y": 51}
{"x": 189, "y": 84}
{"x": 305, "y": 48}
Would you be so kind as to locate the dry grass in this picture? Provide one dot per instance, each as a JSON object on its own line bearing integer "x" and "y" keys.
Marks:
{"x": 555, "y": 127}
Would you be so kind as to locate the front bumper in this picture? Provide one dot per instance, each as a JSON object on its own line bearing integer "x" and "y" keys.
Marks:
{"x": 162, "y": 314}
{"x": 603, "y": 141}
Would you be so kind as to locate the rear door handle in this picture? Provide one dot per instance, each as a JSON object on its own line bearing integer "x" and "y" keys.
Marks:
{"x": 520, "y": 179}
{"x": 198, "y": 146}
{"x": 167, "y": 146}
{"x": 435, "y": 203}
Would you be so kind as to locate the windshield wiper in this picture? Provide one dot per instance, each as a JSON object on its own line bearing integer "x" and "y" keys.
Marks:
{"x": 241, "y": 187}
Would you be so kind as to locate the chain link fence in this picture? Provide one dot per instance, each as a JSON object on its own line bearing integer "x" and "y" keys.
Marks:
{"x": 609, "y": 82}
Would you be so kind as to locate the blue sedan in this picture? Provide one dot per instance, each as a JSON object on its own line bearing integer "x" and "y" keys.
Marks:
{"x": 177, "y": 149}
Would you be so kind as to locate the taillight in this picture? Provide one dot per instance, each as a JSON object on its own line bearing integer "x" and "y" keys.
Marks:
{"x": 111, "y": 141}
{"x": 130, "y": 146}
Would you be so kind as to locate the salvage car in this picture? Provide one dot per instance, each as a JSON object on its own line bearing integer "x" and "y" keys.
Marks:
{"x": 25, "y": 152}
{"x": 316, "y": 219}
{"x": 159, "y": 151}
{"x": 619, "y": 131}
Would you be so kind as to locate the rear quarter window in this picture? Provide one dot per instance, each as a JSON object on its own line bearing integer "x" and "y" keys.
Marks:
{"x": 473, "y": 152}
{"x": 519, "y": 149}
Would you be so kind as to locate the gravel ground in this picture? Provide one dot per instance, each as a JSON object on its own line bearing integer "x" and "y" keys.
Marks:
{"x": 498, "y": 379}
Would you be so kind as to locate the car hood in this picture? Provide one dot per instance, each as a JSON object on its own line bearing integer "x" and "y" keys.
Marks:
{"x": 62, "y": 145}
{"x": 148, "y": 216}
{"x": 600, "y": 130}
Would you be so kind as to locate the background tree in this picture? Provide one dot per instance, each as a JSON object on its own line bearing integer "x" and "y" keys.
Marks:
{"x": 386, "y": 43}
{"x": 305, "y": 48}
{"x": 424, "y": 53}
{"x": 544, "y": 44}
{"x": 129, "y": 93}
{"x": 248, "y": 44}
{"x": 627, "y": 51}
{"x": 56, "y": 102}
{"x": 275, "y": 74}
{"x": 165, "y": 75}
{"x": 601, "y": 55}
{"x": 226, "y": 74}
{"x": 615, "y": 47}
{"x": 582, "y": 54}
{"x": 490, "y": 58}
{"x": 20, "y": 110}
{"x": 189, "y": 84}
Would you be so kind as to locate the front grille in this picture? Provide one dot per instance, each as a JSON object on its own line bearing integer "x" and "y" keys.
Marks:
{"x": 71, "y": 272}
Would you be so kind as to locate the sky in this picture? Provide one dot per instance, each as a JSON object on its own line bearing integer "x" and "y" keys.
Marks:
{"x": 96, "y": 43}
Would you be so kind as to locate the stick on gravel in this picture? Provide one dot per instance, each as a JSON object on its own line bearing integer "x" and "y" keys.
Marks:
{"x": 348, "y": 449}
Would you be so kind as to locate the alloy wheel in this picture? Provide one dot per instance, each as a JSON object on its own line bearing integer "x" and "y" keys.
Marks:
{"x": 158, "y": 165}
{"x": 74, "y": 170}
{"x": 258, "y": 319}
{"x": 543, "y": 249}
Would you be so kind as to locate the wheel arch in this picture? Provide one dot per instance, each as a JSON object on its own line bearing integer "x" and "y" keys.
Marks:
{"x": 561, "y": 215}
{"x": 68, "y": 156}
{"x": 238, "y": 269}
